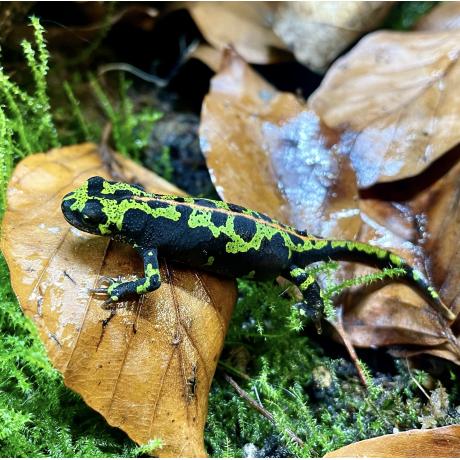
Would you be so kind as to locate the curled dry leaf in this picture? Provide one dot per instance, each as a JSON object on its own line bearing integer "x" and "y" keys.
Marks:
{"x": 317, "y": 32}
{"x": 397, "y": 94}
{"x": 435, "y": 443}
{"x": 243, "y": 25}
{"x": 444, "y": 16}
{"x": 303, "y": 178}
{"x": 146, "y": 368}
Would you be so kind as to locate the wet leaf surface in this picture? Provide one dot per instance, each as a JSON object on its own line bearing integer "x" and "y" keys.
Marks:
{"x": 397, "y": 92}
{"x": 434, "y": 443}
{"x": 317, "y": 32}
{"x": 147, "y": 368}
{"x": 266, "y": 150}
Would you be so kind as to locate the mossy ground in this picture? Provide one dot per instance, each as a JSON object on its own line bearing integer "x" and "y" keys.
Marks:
{"x": 310, "y": 388}
{"x": 310, "y": 392}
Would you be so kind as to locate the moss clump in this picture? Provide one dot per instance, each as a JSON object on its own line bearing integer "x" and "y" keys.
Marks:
{"x": 26, "y": 123}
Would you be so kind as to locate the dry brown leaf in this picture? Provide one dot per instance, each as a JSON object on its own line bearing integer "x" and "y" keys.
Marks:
{"x": 398, "y": 93}
{"x": 243, "y": 25}
{"x": 266, "y": 151}
{"x": 208, "y": 55}
{"x": 434, "y": 443}
{"x": 392, "y": 314}
{"x": 426, "y": 231}
{"x": 317, "y": 32}
{"x": 148, "y": 368}
{"x": 445, "y": 16}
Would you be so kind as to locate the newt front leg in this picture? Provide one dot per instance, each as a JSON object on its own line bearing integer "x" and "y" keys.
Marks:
{"x": 119, "y": 291}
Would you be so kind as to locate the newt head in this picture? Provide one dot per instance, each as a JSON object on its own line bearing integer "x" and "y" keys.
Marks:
{"x": 83, "y": 208}
{"x": 116, "y": 209}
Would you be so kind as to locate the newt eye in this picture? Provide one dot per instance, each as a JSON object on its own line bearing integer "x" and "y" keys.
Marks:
{"x": 92, "y": 213}
{"x": 88, "y": 218}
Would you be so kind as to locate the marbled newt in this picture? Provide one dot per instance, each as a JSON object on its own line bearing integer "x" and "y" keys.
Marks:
{"x": 219, "y": 237}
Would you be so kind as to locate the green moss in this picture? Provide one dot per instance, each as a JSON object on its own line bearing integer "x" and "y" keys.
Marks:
{"x": 317, "y": 397}
{"x": 81, "y": 129}
{"x": 130, "y": 129}
{"x": 27, "y": 116}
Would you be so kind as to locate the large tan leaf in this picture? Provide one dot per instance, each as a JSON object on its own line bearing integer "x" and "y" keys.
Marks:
{"x": 242, "y": 25}
{"x": 265, "y": 150}
{"x": 148, "y": 368}
{"x": 317, "y": 32}
{"x": 435, "y": 443}
{"x": 398, "y": 93}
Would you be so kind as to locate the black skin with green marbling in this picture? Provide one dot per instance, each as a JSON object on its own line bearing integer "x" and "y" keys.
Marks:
{"x": 218, "y": 237}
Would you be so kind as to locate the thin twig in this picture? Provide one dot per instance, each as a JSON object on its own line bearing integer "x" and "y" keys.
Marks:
{"x": 125, "y": 67}
{"x": 338, "y": 326}
{"x": 416, "y": 382}
{"x": 259, "y": 408}
{"x": 185, "y": 52}
{"x": 107, "y": 155}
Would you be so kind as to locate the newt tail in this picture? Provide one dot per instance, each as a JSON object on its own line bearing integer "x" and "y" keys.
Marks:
{"x": 353, "y": 251}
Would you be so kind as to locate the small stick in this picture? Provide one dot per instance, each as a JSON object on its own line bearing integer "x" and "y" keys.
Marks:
{"x": 108, "y": 159}
{"x": 259, "y": 408}
{"x": 338, "y": 326}
{"x": 415, "y": 381}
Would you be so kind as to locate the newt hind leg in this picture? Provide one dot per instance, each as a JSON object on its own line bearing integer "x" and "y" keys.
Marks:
{"x": 312, "y": 305}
